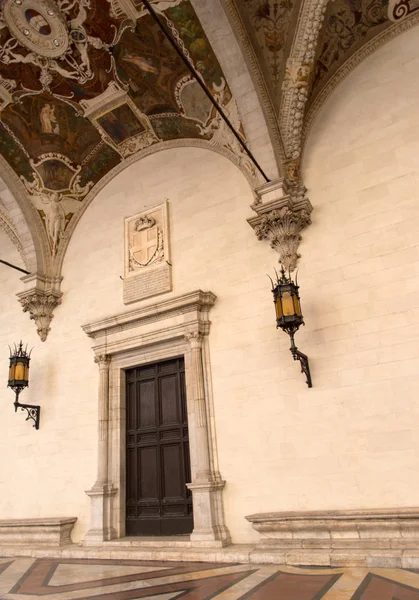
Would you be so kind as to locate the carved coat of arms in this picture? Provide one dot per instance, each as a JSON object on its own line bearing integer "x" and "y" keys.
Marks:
{"x": 148, "y": 270}
{"x": 146, "y": 244}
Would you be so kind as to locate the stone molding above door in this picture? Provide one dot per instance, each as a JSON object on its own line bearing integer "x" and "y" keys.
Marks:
{"x": 175, "y": 327}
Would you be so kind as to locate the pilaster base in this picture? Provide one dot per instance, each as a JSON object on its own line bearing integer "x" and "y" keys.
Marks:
{"x": 100, "y": 520}
{"x": 209, "y": 528}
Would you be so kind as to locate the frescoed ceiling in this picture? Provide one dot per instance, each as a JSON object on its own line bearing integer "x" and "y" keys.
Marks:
{"x": 347, "y": 26}
{"x": 84, "y": 84}
{"x": 299, "y": 45}
{"x": 87, "y": 84}
{"x": 270, "y": 25}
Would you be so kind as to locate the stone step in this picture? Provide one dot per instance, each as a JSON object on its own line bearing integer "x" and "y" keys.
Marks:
{"x": 176, "y": 541}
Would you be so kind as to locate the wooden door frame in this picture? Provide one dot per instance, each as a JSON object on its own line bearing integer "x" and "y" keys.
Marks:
{"x": 167, "y": 329}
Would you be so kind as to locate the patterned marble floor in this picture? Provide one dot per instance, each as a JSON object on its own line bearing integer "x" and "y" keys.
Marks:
{"x": 57, "y": 579}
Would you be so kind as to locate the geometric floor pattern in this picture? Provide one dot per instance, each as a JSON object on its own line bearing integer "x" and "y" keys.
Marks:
{"x": 57, "y": 579}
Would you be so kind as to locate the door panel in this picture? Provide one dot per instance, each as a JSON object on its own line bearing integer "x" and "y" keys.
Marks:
{"x": 158, "y": 464}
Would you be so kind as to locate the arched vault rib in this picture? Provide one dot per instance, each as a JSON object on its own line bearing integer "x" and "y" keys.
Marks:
{"x": 300, "y": 66}
{"x": 23, "y": 224}
{"x": 258, "y": 122}
{"x": 23, "y": 220}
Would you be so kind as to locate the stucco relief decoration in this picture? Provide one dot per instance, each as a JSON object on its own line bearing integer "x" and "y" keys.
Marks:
{"x": 220, "y": 134}
{"x": 147, "y": 254}
{"x": 298, "y": 75}
{"x": 56, "y": 192}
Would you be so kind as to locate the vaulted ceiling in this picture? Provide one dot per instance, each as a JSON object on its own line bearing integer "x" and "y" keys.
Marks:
{"x": 89, "y": 86}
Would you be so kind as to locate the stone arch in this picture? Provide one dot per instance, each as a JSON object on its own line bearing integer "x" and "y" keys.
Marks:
{"x": 21, "y": 222}
{"x": 251, "y": 177}
{"x": 245, "y": 81}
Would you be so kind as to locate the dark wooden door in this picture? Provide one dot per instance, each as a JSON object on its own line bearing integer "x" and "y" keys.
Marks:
{"x": 158, "y": 466}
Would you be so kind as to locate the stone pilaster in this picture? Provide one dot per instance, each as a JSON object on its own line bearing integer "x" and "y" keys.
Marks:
{"x": 206, "y": 486}
{"x": 102, "y": 491}
{"x": 282, "y": 213}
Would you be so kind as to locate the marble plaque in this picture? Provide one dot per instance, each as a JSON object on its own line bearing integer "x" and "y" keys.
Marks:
{"x": 147, "y": 255}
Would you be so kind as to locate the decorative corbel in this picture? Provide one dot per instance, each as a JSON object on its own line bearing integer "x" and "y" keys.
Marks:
{"x": 280, "y": 220}
{"x": 40, "y": 299}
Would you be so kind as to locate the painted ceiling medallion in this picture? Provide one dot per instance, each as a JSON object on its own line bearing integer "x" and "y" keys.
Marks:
{"x": 37, "y": 25}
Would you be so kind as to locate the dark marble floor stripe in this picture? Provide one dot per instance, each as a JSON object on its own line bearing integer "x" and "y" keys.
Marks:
{"x": 375, "y": 587}
{"x": 292, "y": 586}
{"x": 3, "y": 566}
{"x": 36, "y": 580}
{"x": 200, "y": 589}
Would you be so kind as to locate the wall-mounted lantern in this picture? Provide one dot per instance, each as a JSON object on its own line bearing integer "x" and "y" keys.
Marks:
{"x": 19, "y": 380}
{"x": 289, "y": 316}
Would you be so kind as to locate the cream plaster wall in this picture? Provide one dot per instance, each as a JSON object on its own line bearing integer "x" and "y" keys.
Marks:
{"x": 350, "y": 442}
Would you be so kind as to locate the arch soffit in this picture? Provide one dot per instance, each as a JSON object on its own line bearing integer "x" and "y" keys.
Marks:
{"x": 346, "y": 69}
{"x": 221, "y": 22}
{"x": 21, "y": 222}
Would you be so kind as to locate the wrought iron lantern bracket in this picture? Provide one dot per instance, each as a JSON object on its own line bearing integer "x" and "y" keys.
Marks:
{"x": 305, "y": 367}
{"x": 33, "y": 410}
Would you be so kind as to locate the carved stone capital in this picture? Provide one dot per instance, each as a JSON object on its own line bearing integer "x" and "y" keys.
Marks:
{"x": 40, "y": 306}
{"x": 194, "y": 338}
{"x": 103, "y": 361}
{"x": 281, "y": 220}
{"x": 40, "y": 299}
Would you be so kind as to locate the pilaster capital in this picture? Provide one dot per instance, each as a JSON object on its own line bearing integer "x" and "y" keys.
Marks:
{"x": 194, "y": 338}
{"x": 103, "y": 361}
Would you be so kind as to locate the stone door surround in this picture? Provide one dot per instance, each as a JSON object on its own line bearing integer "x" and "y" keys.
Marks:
{"x": 167, "y": 329}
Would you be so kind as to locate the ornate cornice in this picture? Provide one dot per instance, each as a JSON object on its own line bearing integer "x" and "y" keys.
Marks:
{"x": 349, "y": 65}
{"x": 195, "y": 302}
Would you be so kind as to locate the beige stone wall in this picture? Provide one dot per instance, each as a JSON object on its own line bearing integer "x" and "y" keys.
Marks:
{"x": 350, "y": 442}
{"x": 360, "y": 285}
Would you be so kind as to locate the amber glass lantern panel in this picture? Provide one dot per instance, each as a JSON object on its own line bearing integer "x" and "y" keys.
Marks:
{"x": 297, "y": 305}
{"x": 278, "y": 307}
{"x": 19, "y": 372}
{"x": 287, "y": 304}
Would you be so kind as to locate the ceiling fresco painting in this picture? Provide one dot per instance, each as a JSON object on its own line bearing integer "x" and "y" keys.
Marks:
{"x": 295, "y": 48}
{"x": 348, "y": 24}
{"x": 268, "y": 24}
{"x": 84, "y": 84}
